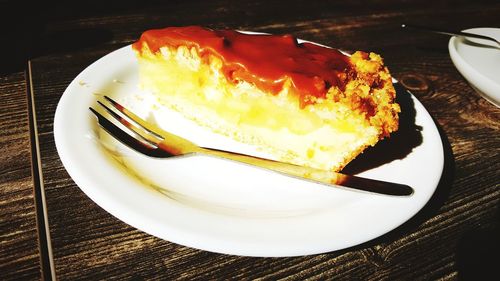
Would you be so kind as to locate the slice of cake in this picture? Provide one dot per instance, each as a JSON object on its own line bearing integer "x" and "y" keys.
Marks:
{"x": 300, "y": 102}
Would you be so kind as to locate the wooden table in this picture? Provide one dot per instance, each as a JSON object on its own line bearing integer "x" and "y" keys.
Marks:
{"x": 74, "y": 238}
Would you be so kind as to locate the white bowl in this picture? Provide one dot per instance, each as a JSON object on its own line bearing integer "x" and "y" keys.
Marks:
{"x": 479, "y": 62}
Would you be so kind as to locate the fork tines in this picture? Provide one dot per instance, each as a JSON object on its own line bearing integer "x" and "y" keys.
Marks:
{"x": 134, "y": 118}
{"x": 149, "y": 139}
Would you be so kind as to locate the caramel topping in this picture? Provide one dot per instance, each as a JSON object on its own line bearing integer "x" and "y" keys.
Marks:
{"x": 267, "y": 61}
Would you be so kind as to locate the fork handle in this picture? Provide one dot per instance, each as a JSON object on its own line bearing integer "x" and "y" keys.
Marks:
{"x": 329, "y": 178}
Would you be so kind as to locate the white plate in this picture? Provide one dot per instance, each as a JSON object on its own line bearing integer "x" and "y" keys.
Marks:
{"x": 221, "y": 206}
{"x": 479, "y": 63}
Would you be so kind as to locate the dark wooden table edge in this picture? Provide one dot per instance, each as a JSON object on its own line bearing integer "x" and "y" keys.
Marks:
{"x": 44, "y": 244}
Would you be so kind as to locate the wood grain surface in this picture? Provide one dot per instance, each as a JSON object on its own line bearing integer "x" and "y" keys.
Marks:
{"x": 448, "y": 239}
{"x": 19, "y": 255}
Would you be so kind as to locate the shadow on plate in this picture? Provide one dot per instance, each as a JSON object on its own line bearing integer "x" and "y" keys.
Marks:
{"x": 486, "y": 44}
{"x": 398, "y": 145}
{"x": 428, "y": 211}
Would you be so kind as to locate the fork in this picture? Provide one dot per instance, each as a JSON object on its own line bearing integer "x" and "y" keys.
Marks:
{"x": 152, "y": 141}
{"x": 454, "y": 33}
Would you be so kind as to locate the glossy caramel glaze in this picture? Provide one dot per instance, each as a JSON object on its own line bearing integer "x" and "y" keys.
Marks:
{"x": 267, "y": 61}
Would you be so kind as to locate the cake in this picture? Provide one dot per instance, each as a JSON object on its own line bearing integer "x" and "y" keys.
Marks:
{"x": 300, "y": 103}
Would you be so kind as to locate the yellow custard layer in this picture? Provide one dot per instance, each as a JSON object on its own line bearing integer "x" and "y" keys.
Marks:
{"x": 326, "y": 134}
